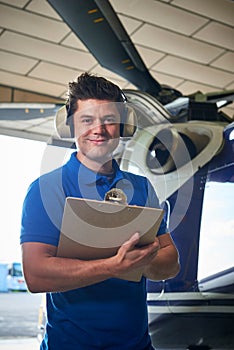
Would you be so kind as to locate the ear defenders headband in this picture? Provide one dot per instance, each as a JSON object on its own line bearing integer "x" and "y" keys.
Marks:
{"x": 65, "y": 129}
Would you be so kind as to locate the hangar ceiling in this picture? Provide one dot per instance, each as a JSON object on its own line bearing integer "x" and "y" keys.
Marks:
{"x": 188, "y": 45}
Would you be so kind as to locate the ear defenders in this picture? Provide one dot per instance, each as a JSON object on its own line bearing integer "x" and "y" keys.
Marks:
{"x": 65, "y": 129}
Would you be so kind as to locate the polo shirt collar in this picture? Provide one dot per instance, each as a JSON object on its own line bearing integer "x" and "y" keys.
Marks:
{"x": 89, "y": 177}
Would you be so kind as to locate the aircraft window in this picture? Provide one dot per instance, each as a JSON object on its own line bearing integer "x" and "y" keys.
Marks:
{"x": 148, "y": 109}
{"x": 217, "y": 225}
{"x": 231, "y": 136}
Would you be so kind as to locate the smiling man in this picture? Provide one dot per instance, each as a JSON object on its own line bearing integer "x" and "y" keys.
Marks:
{"x": 97, "y": 129}
{"x": 89, "y": 306}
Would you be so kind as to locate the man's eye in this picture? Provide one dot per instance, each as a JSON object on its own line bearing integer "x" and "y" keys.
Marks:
{"x": 87, "y": 120}
{"x": 110, "y": 120}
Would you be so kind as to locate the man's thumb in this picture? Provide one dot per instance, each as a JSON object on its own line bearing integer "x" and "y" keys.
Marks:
{"x": 133, "y": 239}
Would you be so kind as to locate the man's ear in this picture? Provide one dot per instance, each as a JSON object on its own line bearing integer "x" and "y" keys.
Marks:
{"x": 129, "y": 122}
{"x": 63, "y": 126}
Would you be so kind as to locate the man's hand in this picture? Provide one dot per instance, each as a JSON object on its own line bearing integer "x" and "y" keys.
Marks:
{"x": 132, "y": 257}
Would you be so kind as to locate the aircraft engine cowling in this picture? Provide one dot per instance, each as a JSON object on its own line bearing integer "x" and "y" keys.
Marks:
{"x": 170, "y": 154}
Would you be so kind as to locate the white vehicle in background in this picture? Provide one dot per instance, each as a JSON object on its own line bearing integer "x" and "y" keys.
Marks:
{"x": 15, "y": 277}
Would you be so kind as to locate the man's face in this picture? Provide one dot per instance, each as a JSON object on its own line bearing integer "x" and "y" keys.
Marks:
{"x": 97, "y": 129}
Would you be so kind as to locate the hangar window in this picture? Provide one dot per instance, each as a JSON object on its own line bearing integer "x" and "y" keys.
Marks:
{"x": 217, "y": 224}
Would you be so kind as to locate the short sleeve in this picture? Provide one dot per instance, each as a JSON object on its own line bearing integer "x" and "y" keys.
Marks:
{"x": 41, "y": 214}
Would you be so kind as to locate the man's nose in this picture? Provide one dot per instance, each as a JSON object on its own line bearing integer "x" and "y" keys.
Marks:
{"x": 99, "y": 127}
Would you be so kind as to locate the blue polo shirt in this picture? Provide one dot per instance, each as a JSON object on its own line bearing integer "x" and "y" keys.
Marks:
{"x": 108, "y": 315}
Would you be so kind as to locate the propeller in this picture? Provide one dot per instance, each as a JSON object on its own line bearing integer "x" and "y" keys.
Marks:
{"x": 99, "y": 28}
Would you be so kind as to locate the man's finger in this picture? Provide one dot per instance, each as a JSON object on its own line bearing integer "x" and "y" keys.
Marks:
{"x": 133, "y": 240}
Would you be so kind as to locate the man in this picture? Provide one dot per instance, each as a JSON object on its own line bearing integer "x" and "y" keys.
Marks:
{"x": 89, "y": 305}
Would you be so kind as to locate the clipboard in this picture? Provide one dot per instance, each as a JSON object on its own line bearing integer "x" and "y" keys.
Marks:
{"x": 94, "y": 229}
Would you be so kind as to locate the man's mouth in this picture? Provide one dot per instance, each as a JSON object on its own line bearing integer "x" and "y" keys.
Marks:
{"x": 98, "y": 141}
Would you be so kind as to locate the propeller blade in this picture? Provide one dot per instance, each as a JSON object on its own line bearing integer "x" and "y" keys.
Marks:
{"x": 99, "y": 28}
